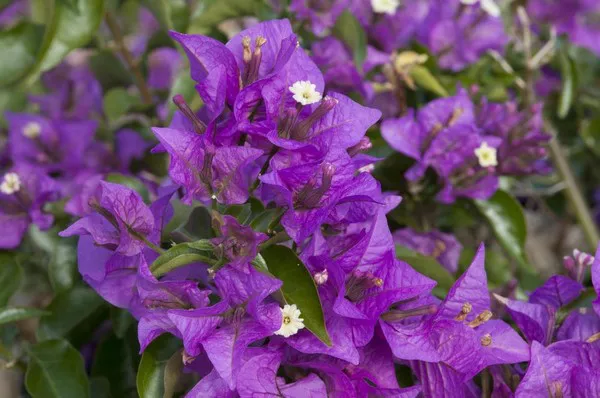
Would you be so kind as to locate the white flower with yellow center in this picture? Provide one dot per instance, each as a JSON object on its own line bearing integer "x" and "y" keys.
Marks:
{"x": 10, "y": 184}
{"x": 486, "y": 155}
{"x": 385, "y": 6}
{"x": 305, "y": 92}
{"x": 488, "y": 6}
{"x": 290, "y": 321}
{"x": 32, "y": 130}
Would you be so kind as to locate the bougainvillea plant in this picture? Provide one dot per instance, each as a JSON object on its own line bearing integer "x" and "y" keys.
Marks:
{"x": 265, "y": 198}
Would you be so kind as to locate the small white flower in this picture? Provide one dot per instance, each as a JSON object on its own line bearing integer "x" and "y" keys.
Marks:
{"x": 321, "y": 277}
{"x": 489, "y": 6}
{"x": 32, "y": 130}
{"x": 290, "y": 321}
{"x": 305, "y": 92}
{"x": 10, "y": 184}
{"x": 486, "y": 155}
{"x": 385, "y": 6}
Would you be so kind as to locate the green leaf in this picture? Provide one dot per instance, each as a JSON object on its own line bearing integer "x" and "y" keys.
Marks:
{"x": 121, "y": 321}
{"x": 213, "y": 12}
{"x": 265, "y": 220}
{"x": 56, "y": 370}
{"x": 68, "y": 310}
{"x": 130, "y": 182}
{"x": 173, "y": 372}
{"x": 10, "y": 277}
{"x": 590, "y": 134}
{"x": 428, "y": 266}
{"x": 197, "y": 222}
{"x": 62, "y": 269}
{"x": 109, "y": 70}
{"x": 298, "y": 287}
{"x": 100, "y": 387}
{"x": 114, "y": 360}
{"x": 117, "y": 102}
{"x": 350, "y": 31}
{"x": 183, "y": 85}
{"x": 569, "y": 78}
{"x": 183, "y": 254}
{"x": 506, "y": 219}
{"x": 172, "y": 14}
{"x": 70, "y": 26}
{"x": 151, "y": 372}
{"x": 424, "y": 78}
{"x": 18, "y": 46}
{"x": 8, "y": 315}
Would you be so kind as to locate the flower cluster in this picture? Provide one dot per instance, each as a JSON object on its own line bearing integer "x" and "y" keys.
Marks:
{"x": 270, "y": 140}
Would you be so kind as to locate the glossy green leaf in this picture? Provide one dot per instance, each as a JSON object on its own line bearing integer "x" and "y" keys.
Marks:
{"x": 173, "y": 372}
{"x": 424, "y": 78}
{"x": 70, "y": 26}
{"x": 62, "y": 269}
{"x": 298, "y": 287}
{"x": 266, "y": 219}
{"x": 18, "y": 46}
{"x": 569, "y": 78}
{"x": 68, "y": 310}
{"x": 191, "y": 223}
{"x": 151, "y": 372}
{"x": 56, "y": 370}
{"x": 11, "y": 275}
{"x": 11, "y": 314}
{"x": 212, "y": 12}
{"x": 181, "y": 255}
{"x": 506, "y": 219}
{"x": 427, "y": 266}
{"x": 114, "y": 360}
{"x": 350, "y": 31}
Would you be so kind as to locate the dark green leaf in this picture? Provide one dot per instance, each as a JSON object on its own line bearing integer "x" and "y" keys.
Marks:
{"x": 121, "y": 321}
{"x": 56, "y": 370}
{"x": 428, "y": 266}
{"x": 10, "y": 277}
{"x": 151, "y": 373}
{"x": 424, "y": 78}
{"x": 350, "y": 31}
{"x": 114, "y": 360}
{"x": 130, "y": 182}
{"x": 183, "y": 254}
{"x": 18, "y": 46}
{"x": 212, "y": 12}
{"x": 68, "y": 309}
{"x": 100, "y": 387}
{"x": 197, "y": 224}
{"x": 265, "y": 220}
{"x": 569, "y": 78}
{"x": 8, "y": 315}
{"x": 506, "y": 219}
{"x": 590, "y": 133}
{"x": 241, "y": 212}
{"x": 298, "y": 287}
{"x": 109, "y": 70}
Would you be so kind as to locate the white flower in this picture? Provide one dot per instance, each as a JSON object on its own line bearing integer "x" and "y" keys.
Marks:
{"x": 486, "y": 155}
{"x": 385, "y": 6}
{"x": 488, "y": 6}
{"x": 32, "y": 130}
{"x": 321, "y": 277}
{"x": 290, "y": 321}
{"x": 305, "y": 92}
{"x": 11, "y": 184}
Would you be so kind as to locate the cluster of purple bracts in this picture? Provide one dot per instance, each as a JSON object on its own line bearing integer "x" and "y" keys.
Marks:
{"x": 269, "y": 132}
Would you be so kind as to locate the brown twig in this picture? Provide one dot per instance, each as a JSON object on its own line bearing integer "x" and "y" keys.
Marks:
{"x": 140, "y": 82}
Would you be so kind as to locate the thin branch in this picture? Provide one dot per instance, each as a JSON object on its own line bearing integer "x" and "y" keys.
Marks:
{"x": 140, "y": 82}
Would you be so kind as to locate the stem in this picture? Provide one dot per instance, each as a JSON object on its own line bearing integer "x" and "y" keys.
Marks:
{"x": 582, "y": 211}
{"x": 115, "y": 30}
{"x": 277, "y": 238}
{"x": 264, "y": 168}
